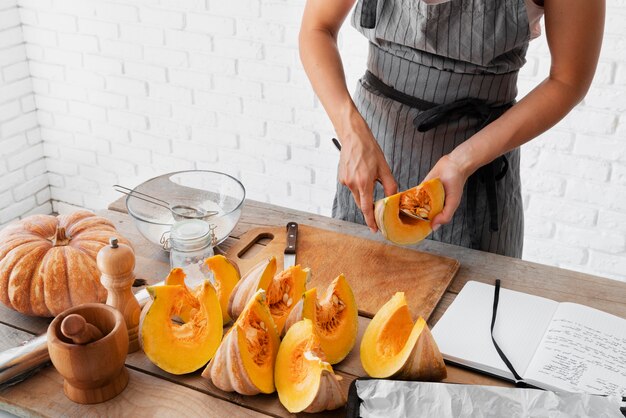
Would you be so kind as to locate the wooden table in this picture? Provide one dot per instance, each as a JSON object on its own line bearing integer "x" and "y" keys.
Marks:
{"x": 152, "y": 392}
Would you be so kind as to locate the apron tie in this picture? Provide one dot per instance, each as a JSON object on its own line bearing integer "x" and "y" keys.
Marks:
{"x": 439, "y": 114}
{"x": 433, "y": 115}
{"x": 368, "y": 14}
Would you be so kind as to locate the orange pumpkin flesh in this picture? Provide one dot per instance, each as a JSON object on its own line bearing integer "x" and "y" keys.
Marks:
{"x": 48, "y": 263}
{"x": 226, "y": 274}
{"x": 334, "y": 317}
{"x": 284, "y": 291}
{"x": 305, "y": 381}
{"x": 394, "y": 346}
{"x": 184, "y": 311}
{"x": 244, "y": 362}
{"x": 181, "y": 348}
{"x": 425, "y": 200}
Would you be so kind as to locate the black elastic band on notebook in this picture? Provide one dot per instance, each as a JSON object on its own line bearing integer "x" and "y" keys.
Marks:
{"x": 496, "y": 296}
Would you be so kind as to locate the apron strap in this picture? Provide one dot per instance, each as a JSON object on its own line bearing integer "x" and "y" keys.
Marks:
{"x": 448, "y": 112}
{"x": 388, "y": 91}
{"x": 368, "y": 14}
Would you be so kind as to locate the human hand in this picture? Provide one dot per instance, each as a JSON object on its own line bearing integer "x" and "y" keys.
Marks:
{"x": 453, "y": 177}
{"x": 361, "y": 164}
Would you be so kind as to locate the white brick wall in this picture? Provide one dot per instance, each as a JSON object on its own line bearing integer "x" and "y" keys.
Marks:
{"x": 573, "y": 184}
{"x": 24, "y": 185}
{"x": 126, "y": 90}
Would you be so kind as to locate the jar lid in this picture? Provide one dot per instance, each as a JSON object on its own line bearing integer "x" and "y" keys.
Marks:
{"x": 191, "y": 234}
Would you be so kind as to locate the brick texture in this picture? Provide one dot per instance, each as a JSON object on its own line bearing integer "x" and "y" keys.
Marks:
{"x": 125, "y": 90}
{"x": 24, "y": 184}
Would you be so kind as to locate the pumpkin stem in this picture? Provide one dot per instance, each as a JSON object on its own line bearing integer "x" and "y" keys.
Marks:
{"x": 60, "y": 238}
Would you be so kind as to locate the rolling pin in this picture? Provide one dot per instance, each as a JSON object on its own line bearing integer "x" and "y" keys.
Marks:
{"x": 19, "y": 363}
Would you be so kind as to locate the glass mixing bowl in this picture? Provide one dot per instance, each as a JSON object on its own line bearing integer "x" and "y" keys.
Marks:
{"x": 207, "y": 190}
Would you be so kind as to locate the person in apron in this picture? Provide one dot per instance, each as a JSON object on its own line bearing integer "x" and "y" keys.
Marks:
{"x": 438, "y": 100}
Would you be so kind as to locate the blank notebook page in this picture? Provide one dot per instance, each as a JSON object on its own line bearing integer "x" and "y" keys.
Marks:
{"x": 463, "y": 333}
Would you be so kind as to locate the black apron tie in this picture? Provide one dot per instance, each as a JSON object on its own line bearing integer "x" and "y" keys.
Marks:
{"x": 433, "y": 115}
{"x": 439, "y": 114}
{"x": 368, "y": 14}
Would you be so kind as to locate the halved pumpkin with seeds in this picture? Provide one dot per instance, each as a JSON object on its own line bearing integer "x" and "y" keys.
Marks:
{"x": 244, "y": 362}
{"x": 423, "y": 201}
{"x": 418, "y": 202}
{"x": 334, "y": 317}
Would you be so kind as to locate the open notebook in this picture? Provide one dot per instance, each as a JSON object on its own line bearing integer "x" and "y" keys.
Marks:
{"x": 556, "y": 346}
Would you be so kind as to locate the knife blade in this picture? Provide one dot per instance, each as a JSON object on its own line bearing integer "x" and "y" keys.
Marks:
{"x": 290, "y": 249}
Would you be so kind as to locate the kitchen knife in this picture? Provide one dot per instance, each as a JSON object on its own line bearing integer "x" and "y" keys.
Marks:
{"x": 290, "y": 249}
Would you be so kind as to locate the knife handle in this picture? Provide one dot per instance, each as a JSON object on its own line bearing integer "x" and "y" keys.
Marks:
{"x": 292, "y": 237}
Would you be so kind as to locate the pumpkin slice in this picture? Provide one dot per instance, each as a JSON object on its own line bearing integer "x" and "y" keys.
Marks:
{"x": 284, "y": 291}
{"x": 181, "y": 348}
{"x": 425, "y": 200}
{"x": 177, "y": 277}
{"x": 226, "y": 274}
{"x": 244, "y": 362}
{"x": 335, "y": 318}
{"x": 394, "y": 346}
{"x": 305, "y": 381}
{"x": 259, "y": 277}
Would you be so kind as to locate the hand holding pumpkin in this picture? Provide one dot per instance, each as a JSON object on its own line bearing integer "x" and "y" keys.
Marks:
{"x": 453, "y": 178}
{"x": 428, "y": 198}
{"x": 361, "y": 164}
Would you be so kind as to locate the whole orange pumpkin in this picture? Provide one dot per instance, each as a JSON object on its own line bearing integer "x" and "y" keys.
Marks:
{"x": 48, "y": 263}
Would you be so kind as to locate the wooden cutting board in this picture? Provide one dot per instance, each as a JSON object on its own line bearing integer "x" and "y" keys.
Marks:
{"x": 375, "y": 271}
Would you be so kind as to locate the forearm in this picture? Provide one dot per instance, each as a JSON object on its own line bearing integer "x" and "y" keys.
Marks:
{"x": 574, "y": 32}
{"x": 541, "y": 109}
{"x": 322, "y": 63}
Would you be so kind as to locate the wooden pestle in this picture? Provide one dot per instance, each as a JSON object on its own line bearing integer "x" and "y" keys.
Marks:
{"x": 78, "y": 330}
{"x": 116, "y": 262}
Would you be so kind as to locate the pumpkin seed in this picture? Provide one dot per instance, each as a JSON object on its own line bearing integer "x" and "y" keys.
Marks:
{"x": 289, "y": 302}
{"x": 285, "y": 297}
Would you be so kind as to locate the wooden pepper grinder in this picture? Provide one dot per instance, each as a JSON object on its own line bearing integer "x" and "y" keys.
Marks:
{"x": 116, "y": 263}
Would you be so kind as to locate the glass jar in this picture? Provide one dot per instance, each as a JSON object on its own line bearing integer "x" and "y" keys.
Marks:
{"x": 191, "y": 242}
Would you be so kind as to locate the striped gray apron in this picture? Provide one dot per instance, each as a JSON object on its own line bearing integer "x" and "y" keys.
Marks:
{"x": 443, "y": 55}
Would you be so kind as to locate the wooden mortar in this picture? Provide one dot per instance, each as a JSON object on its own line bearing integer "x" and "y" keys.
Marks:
{"x": 92, "y": 372}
